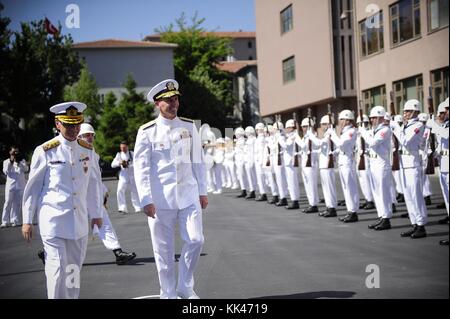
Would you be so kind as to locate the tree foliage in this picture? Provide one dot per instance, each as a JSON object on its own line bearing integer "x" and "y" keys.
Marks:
{"x": 206, "y": 90}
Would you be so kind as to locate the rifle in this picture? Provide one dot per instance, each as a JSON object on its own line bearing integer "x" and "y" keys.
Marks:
{"x": 297, "y": 127}
{"x": 395, "y": 156}
{"x": 278, "y": 120}
{"x": 268, "y": 149}
{"x": 330, "y": 155}
{"x": 362, "y": 162}
{"x": 431, "y": 161}
{"x": 308, "y": 160}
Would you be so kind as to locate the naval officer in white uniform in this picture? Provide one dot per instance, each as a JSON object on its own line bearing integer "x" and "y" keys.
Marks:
{"x": 171, "y": 182}
{"x": 63, "y": 191}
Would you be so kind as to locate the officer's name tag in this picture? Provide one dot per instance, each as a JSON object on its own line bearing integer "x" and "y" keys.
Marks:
{"x": 159, "y": 146}
{"x": 57, "y": 162}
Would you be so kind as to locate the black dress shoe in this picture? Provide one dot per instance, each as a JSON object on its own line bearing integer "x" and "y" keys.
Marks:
{"x": 41, "y": 255}
{"x": 331, "y": 212}
{"x": 293, "y": 205}
{"x": 361, "y": 206}
{"x": 409, "y": 232}
{"x": 400, "y": 198}
{"x": 282, "y": 202}
{"x": 427, "y": 200}
{"x": 378, "y": 222}
{"x": 311, "y": 209}
{"x": 251, "y": 195}
{"x": 419, "y": 232}
{"x": 385, "y": 224}
{"x": 324, "y": 212}
{"x": 351, "y": 217}
{"x": 123, "y": 257}
{"x": 440, "y": 206}
{"x": 274, "y": 200}
{"x": 261, "y": 198}
{"x": 242, "y": 194}
{"x": 443, "y": 242}
{"x": 341, "y": 203}
{"x": 404, "y": 215}
{"x": 443, "y": 221}
{"x": 369, "y": 205}
{"x": 322, "y": 201}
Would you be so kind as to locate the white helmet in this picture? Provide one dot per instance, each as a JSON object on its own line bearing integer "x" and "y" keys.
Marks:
{"x": 278, "y": 125}
{"x": 442, "y": 106}
{"x": 259, "y": 126}
{"x": 365, "y": 119}
{"x": 86, "y": 128}
{"x": 423, "y": 117}
{"x": 290, "y": 123}
{"x": 325, "y": 119}
{"x": 305, "y": 122}
{"x": 387, "y": 116}
{"x": 249, "y": 130}
{"x": 220, "y": 141}
{"x": 412, "y": 105}
{"x": 398, "y": 118}
{"x": 239, "y": 131}
{"x": 346, "y": 115}
{"x": 377, "y": 111}
{"x": 271, "y": 129}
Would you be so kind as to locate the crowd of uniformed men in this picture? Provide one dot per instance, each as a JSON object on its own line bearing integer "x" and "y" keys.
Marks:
{"x": 388, "y": 156}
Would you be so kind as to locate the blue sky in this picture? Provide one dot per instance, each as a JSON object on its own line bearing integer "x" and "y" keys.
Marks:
{"x": 132, "y": 19}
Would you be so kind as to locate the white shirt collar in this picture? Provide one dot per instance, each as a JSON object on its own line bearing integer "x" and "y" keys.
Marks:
{"x": 162, "y": 120}
{"x": 66, "y": 142}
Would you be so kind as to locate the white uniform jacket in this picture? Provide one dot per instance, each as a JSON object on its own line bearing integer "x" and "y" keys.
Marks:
{"x": 169, "y": 168}
{"x": 62, "y": 189}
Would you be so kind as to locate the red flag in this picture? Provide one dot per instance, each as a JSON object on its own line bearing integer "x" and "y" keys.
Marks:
{"x": 49, "y": 27}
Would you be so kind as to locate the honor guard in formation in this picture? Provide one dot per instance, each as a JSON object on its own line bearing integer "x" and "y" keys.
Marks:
{"x": 363, "y": 170}
{"x": 441, "y": 129}
{"x": 14, "y": 168}
{"x": 171, "y": 182}
{"x": 249, "y": 150}
{"x": 261, "y": 161}
{"x": 106, "y": 233}
{"x": 239, "y": 160}
{"x": 425, "y": 150}
{"x": 291, "y": 163}
{"x": 63, "y": 191}
{"x": 124, "y": 160}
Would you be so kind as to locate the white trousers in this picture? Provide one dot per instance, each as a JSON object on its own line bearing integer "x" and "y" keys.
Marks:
{"x": 349, "y": 187}
{"x": 280, "y": 178}
{"x": 412, "y": 184}
{"x": 309, "y": 175}
{"x": 12, "y": 206}
{"x": 272, "y": 182}
{"x": 398, "y": 185}
{"x": 426, "y": 184}
{"x": 260, "y": 178}
{"x": 241, "y": 175}
{"x": 292, "y": 182}
{"x": 328, "y": 180}
{"x": 381, "y": 186}
{"x": 218, "y": 168}
{"x": 251, "y": 176}
{"x": 63, "y": 261}
{"x": 107, "y": 234}
{"x": 231, "y": 173}
{"x": 122, "y": 187}
{"x": 162, "y": 229}
{"x": 364, "y": 182}
{"x": 443, "y": 180}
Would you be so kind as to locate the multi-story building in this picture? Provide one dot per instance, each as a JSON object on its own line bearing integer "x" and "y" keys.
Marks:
{"x": 110, "y": 61}
{"x": 308, "y": 56}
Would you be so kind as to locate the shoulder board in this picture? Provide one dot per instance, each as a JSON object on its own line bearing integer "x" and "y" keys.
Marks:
{"x": 84, "y": 144}
{"x": 186, "y": 119}
{"x": 50, "y": 144}
{"x": 148, "y": 125}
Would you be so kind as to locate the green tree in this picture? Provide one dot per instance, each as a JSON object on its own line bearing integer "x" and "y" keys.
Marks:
{"x": 121, "y": 121}
{"x": 85, "y": 90}
{"x": 206, "y": 91}
{"x": 39, "y": 68}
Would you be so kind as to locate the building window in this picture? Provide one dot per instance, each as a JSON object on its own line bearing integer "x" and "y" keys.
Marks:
{"x": 410, "y": 88}
{"x": 405, "y": 21}
{"x": 289, "y": 69}
{"x": 373, "y": 97}
{"x": 437, "y": 14}
{"x": 286, "y": 19}
{"x": 371, "y": 34}
{"x": 439, "y": 85}
{"x": 250, "y": 44}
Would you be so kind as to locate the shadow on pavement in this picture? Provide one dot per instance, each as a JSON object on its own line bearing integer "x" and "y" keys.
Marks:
{"x": 313, "y": 295}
